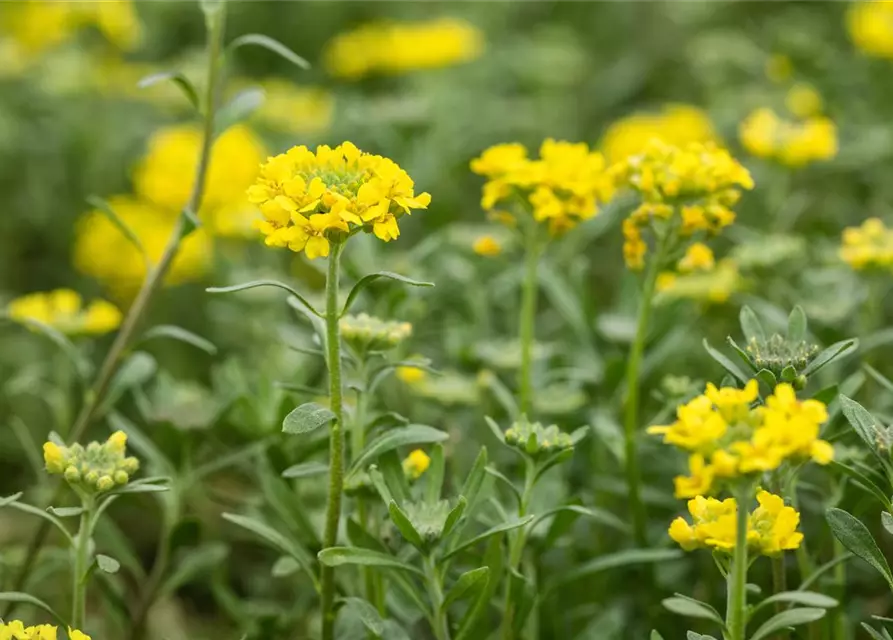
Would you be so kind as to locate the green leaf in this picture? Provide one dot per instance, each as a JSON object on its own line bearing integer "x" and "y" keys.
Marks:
{"x": 306, "y": 418}
{"x": 65, "y": 512}
{"x": 623, "y": 558}
{"x": 137, "y": 370}
{"x": 878, "y": 377}
{"x": 266, "y": 283}
{"x": 599, "y": 515}
{"x": 103, "y": 207}
{"x": 238, "y": 109}
{"x": 468, "y": 585}
{"x": 24, "y": 598}
{"x": 179, "y": 333}
{"x": 454, "y": 515}
{"x": 305, "y": 470}
{"x": 741, "y": 353}
{"x": 179, "y": 79}
{"x": 789, "y": 373}
{"x": 861, "y": 420}
{"x": 767, "y": 377}
{"x": 403, "y": 524}
{"x": 107, "y": 564}
{"x": 10, "y": 499}
{"x": 40, "y": 513}
{"x": 836, "y": 350}
{"x": 750, "y": 325}
{"x": 366, "y": 613}
{"x": 475, "y": 478}
{"x": 284, "y": 567}
{"x": 338, "y": 556}
{"x": 494, "y": 559}
{"x": 725, "y": 363}
{"x": 492, "y": 471}
{"x": 691, "y": 635}
{"x": 273, "y": 45}
{"x": 691, "y": 608}
{"x": 655, "y": 635}
{"x": 434, "y": 475}
{"x": 855, "y": 536}
{"x": 505, "y": 526}
{"x": 864, "y": 482}
{"x": 797, "y": 325}
{"x": 874, "y": 634}
{"x": 805, "y": 598}
{"x": 785, "y": 619}
{"x": 887, "y": 521}
{"x": 390, "y": 440}
{"x": 380, "y": 485}
{"x": 497, "y": 432}
{"x": 367, "y": 280}
{"x": 196, "y": 564}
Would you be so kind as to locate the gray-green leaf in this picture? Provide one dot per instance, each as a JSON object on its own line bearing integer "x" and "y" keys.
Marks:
{"x": 855, "y": 537}
{"x": 390, "y": 440}
{"x": 338, "y": 556}
{"x": 306, "y": 418}
{"x": 785, "y": 619}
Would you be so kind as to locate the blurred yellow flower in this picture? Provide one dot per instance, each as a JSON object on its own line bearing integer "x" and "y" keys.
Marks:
{"x": 295, "y": 109}
{"x": 103, "y": 252}
{"x": 794, "y": 143}
{"x": 487, "y": 246}
{"x": 563, "y": 187}
{"x": 309, "y": 199}
{"x": 394, "y": 47}
{"x": 416, "y": 463}
{"x": 871, "y": 27}
{"x": 675, "y": 124}
{"x": 711, "y": 285}
{"x": 64, "y": 310}
{"x": 868, "y": 246}
{"x": 803, "y": 100}
{"x": 698, "y": 257}
{"x": 410, "y": 375}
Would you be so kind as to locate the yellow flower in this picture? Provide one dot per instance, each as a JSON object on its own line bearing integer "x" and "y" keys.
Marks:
{"x": 487, "y": 246}
{"x": 53, "y": 457}
{"x": 117, "y": 441}
{"x": 698, "y": 257}
{"x": 871, "y": 28}
{"x": 775, "y": 524}
{"x": 699, "y": 482}
{"x": 63, "y": 309}
{"x": 416, "y": 463}
{"x": 295, "y": 109}
{"x": 16, "y": 630}
{"x": 794, "y": 143}
{"x": 803, "y": 100}
{"x": 683, "y": 534}
{"x": 675, "y": 124}
{"x": 96, "y": 467}
{"x": 309, "y": 199}
{"x": 868, "y": 246}
{"x": 74, "y": 634}
{"x": 410, "y": 375}
{"x": 733, "y": 404}
{"x": 395, "y": 48}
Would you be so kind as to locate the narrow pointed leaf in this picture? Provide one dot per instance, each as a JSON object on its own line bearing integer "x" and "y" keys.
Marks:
{"x": 725, "y": 363}
{"x": 174, "y": 332}
{"x": 404, "y": 525}
{"x": 805, "y": 598}
{"x": 238, "y": 109}
{"x": 751, "y": 326}
{"x": 692, "y": 609}
{"x": 338, "y": 556}
{"x": 266, "y": 283}
{"x": 785, "y": 619}
{"x": 24, "y": 598}
{"x": 836, "y": 350}
{"x": 862, "y": 422}
{"x": 619, "y": 559}
{"x": 454, "y": 515}
{"x": 855, "y": 536}
{"x": 797, "y": 325}
{"x": 305, "y": 470}
{"x": 505, "y": 526}
{"x": 434, "y": 475}
{"x": 468, "y": 585}
{"x": 390, "y": 440}
{"x": 367, "y": 280}
{"x": 864, "y": 482}
{"x": 271, "y": 44}
{"x": 599, "y": 515}
{"x": 109, "y": 212}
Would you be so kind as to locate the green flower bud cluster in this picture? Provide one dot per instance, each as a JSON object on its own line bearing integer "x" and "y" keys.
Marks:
{"x": 534, "y": 439}
{"x": 97, "y": 467}
{"x": 364, "y": 332}
{"x": 777, "y": 353}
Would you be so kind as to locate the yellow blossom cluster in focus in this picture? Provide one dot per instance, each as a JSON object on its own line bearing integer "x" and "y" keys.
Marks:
{"x": 690, "y": 188}
{"x": 564, "y": 186}
{"x": 96, "y": 467}
{"x": 16, "y": 630}
{"x": 771, "y": 527}
{"x": 310, "y": 198}
{"x": 868, "y": 246}
{"x": 395, "y": 48}
{"x": 871, "y": 27}
{"x": 64, "y": 310}
{"x": 726, "y": 437}
{"x": 675, "y": 124}
{"x": 416, "y": 463}
{"x": 795, "y": 143}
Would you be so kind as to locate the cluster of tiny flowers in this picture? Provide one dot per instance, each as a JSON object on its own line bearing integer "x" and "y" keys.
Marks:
{"x": 367, "y": 332}
{"x": 795, "y": 143}
{"x": 415, "y": 464}
{"x": 727, "y": 437}
{"x": 534, "y": 439}
{"x": 395, "y": 48}
{"x": 308, "y": 198}
{"x": 771, "y": 527}
{"x": 776, "y": 353}
{"x": 697, "y": 182}
{"x": 96, "y": 467}
{"x": 871, "y": 28}
{"x": 675, "y": 124}
{"x": 64, "y": 310}
{"x": 868, "y": 246}
{"x": 563, "y": 187}
{"x": 16, "y": 630}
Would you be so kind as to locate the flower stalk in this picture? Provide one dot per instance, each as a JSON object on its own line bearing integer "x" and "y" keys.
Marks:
{"x": 440, "y": 624}
{"x": 529, "y": 289}
{"x": 79, "y": 572}
{"x": 736, "y": 607}
{"x": 516, "y": 550}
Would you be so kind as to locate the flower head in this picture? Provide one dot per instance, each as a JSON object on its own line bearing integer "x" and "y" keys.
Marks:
{"x": 63, "y": 310}
{"x": 792, "y": 142}
{"x": 367, "y": 332}
{"x": 310, "y": 199}
{"x": 96, "y": 467}
{"x": 487, "y": 246}
{"x": 16, "y": 630}
{"x": 415, "y": 464}
{"x": 868, "y": 246}
{"x": 871, "y": 28}
{"x": 675, "y": 124}
{"x": 535, "y": 440}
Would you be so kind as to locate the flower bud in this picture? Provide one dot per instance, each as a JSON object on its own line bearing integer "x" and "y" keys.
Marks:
{"x": 91, "y": 478}
{"x": 121, "y": 477}
{"x": 105, "y": 483}
{"x": 72, "y": 475}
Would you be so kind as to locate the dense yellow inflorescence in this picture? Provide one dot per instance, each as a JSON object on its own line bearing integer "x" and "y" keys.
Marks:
{"x": 690, "y": 188}
{"x": 564, "y": 186}
{"x": 871, "y": 27}
{"x": 64, "y": 310}
{"x": 396, "y": 48}
{"x": 727, "y": 438}
{"x": 868, "y": 246}
{"x": 100, "y": 466}
{"x": 771, "y": 527}
{"x": 795, "y": 143}
{"x": 309, "y": 198}
{"x": 674, "y": 124}
{"x": 16, "y": 630}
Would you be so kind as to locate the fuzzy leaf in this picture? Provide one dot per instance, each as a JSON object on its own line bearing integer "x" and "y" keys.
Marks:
{"x": 751, "y": 326}
{"x": 836, "y": 350}
{"x": 862, "y": 422}
{"x": 107, "y": 564}
{"x": 855, "y": 536}
{"x": 785, "y": 619}
{"x": 338, "y": 556}
{"x": 691, "y": 608}
{"x": 797, "y": 325}
{"x": 306, "y": 418}
{"x": 305, "y": 470}
{"x": 469, "y": 584}
{"x": 403, "y": 524}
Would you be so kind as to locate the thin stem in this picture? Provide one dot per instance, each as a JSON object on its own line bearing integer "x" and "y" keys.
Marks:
{"x": 154, "y": 278}
{"x": 516, "y": 551}
{"x": 357, "y": 442}
{"x": 631, "y": 416}
{"x": 441, "y": 625}
{"x": 336, "y": 439}
{"x": 529, "y": 289}
{"x": 80, "y": 566}
{"x": 736, "y": 613}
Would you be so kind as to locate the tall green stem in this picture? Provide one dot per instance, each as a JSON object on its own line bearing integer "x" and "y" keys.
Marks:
{"x": 216, "y": 22}
{"x": 736, "y": 607}
{"x": 631, "y": 416}
{"x": 80, "y": 566}
{"x": 529, "y": 288}
{"x": 516, "y": 551}
{"x": 336, "y": 438}
{"x": 435, "y": 594}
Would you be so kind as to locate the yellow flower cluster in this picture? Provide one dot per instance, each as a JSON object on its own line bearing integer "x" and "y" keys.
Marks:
{"x": 16, "y": 630}
{"x": 727, "y": 438}
{"x": 415, "y": 464}
{"x": 487, "y": 246}
{"x": 690, "y": 187}
{"x": 64, "y": 310}
{"x": 395, "y": 48}
{"x": 792, "y": 142}
{"x": 309, "y": 199}
{"x": 675, "y": 124}
{"x": 96, "y": 467}
{"x": 294, "y": 109}
{"x": 563, "y": 187}
{"x": 871, "y": 28}
{"x": 868, "y": 246}
{"x": 771, "y": 527}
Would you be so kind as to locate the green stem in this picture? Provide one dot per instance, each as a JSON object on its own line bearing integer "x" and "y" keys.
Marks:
{"x": 631, "y": 416}
{"x": 154, "y": 278}
{"x": 357, "y": 442}
{"x": 80, "y": 566}
{"x": 336, "y": 439}
{"x": 736, "y": 607}
{"x": 516, "y": 551}
{"x": 435, "y": 594}
{"x": 529, "y": 288}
